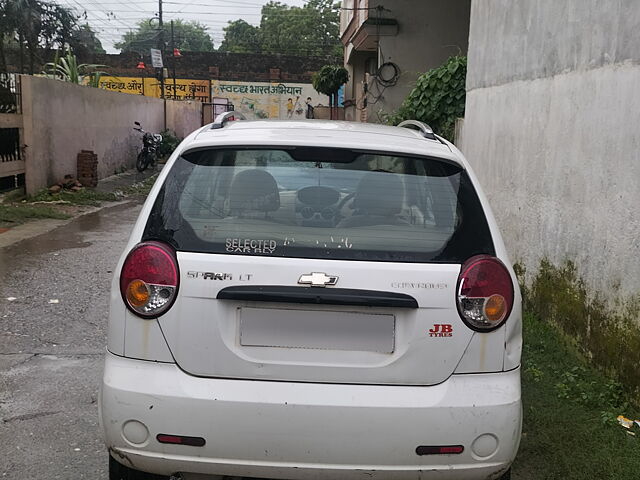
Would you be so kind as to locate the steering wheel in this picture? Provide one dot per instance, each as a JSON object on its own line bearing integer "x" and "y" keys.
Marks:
{"x": 344, "y": 201}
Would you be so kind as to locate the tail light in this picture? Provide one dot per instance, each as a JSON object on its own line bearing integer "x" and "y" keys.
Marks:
{"x": 149, "y": 279}
{"x": 484, "y": 293}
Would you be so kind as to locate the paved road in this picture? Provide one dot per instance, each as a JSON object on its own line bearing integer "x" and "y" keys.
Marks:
{"x": 51, "y": 352}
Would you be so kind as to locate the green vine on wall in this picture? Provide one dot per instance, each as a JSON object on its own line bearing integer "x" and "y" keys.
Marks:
{"x": 437, "y": 99}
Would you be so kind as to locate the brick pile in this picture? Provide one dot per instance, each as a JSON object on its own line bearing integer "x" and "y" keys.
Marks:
{"x": 88, "y": 168}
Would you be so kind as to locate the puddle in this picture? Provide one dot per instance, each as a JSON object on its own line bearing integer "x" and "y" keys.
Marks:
{"x": 70, "y": 236}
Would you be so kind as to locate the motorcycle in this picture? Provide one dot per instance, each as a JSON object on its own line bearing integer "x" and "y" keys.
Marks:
{"x": 150, "y": 144}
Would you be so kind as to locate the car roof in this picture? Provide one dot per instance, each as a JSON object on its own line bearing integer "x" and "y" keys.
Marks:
{"x": 322, "y": 133}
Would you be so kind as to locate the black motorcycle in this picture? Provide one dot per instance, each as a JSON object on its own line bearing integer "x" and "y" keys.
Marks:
{"x": 149, "y": 153}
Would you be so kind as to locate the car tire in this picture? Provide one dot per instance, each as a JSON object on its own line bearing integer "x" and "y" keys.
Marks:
{"x": 142, "y": 161}
{"x": 117, "y": 471}
{"x": 506, "y": 476}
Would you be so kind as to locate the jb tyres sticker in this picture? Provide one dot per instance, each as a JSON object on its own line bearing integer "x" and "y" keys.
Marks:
{"x": 441, "y": 330}
{"x": 245, "y": 245}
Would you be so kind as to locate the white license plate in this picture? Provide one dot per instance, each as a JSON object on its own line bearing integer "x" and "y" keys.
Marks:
{"x": 325, "y": 330}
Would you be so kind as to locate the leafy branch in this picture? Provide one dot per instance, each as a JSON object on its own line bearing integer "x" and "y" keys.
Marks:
{"x": 437, "y": 99}
{"x": 67, "y": 69}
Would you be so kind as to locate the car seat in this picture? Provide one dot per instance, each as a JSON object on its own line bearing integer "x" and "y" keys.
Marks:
{"x": 378, "y": 200}
{"x": 253, "y": 193}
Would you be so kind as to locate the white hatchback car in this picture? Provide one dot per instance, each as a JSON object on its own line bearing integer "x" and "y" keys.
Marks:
{"x": 313, "y": 300}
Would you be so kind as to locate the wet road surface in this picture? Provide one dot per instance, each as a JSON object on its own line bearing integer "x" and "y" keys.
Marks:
{"x": 52, "y": 340}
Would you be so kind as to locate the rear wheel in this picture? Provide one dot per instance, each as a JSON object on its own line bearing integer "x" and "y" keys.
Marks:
{"x": 142, "y": 161}
{"x": 506, "y": 476}
{"x": 118, "y": 471}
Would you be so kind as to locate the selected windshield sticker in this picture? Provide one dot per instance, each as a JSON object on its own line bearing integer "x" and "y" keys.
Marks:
{"x": 335, "y": 243}
{"x": 245, "y": 245}
{"x": 343, "y": 242}
{"x": 423, "y": 285}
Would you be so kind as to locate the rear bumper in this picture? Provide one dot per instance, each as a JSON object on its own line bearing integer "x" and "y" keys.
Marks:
{"x": 308, "y": 431}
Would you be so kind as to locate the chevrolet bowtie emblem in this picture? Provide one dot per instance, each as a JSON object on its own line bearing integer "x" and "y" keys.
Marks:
{"x": 317, "y": 279}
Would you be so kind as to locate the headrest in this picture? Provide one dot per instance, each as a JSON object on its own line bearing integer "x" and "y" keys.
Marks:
{"x": 379, "y": 193}
{"x": 253, "y": 191}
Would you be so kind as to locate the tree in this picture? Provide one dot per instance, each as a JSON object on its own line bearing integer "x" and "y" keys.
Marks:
{"x": 83, "y": 41}
{"x": 21, "y": 25}
{"x": 240, "y": 37}
{"x": 328, "y": 81}
{"x": 326, "y": 25}
{"x": 309, "y": 30}
{"x": 31, "y": 26}
{"x": 188, "y": 37}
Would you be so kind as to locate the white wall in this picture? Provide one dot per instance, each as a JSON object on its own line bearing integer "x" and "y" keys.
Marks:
{"x": 184, "y": 117}
{"x": 61, "y": 119}
{"x": 551, "y": 128}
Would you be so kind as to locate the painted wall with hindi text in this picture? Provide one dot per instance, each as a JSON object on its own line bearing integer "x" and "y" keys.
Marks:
{"x": 185, "y": 89}
{"x": 269, "y": 100}
{"x": 254, "y": 99}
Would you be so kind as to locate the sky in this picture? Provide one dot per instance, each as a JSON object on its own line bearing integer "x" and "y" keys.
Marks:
{"x": 110, "y": 19}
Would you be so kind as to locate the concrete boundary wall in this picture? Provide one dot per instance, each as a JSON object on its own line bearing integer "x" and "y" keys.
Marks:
{"x": 513, "y": 40}
{"x": 562, "y": 171}
{"x": 183, "y": 117}
{"x": 551, "y": 129}
{"x": 61, "y": 119}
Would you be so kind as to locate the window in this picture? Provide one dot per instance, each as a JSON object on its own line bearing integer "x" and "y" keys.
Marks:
{"x": 320, "y": 203}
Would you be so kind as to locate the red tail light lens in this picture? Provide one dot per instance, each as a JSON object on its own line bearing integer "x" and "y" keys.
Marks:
{"x": 484, "y": 293}
{"x": 149, "y": 279}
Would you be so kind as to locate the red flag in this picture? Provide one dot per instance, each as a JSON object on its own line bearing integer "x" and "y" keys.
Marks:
{"x": 176, "y": 53}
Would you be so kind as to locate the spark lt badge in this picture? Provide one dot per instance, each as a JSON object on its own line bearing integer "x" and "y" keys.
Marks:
{"x": 441, "y": 330}
{"x": 243, "y": 277}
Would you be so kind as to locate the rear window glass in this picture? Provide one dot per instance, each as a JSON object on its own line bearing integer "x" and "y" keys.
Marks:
{"x": 310, "y": 202}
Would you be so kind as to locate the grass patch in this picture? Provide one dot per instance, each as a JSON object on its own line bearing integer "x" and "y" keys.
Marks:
{"x": 140, "y": 188}
{"x": 82, "y": 197}
{"x": 609, "y": 337}
{"x": 17, "y": 208}
{"x": 14, "y": 214}
{"x": 570, "y": 429}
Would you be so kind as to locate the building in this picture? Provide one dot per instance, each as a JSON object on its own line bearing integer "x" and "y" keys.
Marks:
{"x": 389, "y": 43}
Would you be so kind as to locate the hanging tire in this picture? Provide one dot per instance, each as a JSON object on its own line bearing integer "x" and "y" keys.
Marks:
{"x": 118, "y": 471}
{"x": 142, "y": 161}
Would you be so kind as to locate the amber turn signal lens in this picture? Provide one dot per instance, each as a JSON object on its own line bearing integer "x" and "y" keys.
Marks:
{"x": 137, "y": 293}
{"x": 495, "y": 308}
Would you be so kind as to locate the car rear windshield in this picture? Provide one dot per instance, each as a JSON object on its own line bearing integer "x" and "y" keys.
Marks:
{"x": 323, "y": 203}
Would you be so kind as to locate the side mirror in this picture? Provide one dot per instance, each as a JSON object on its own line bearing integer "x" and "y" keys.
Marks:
{"x": 137, "y": 123}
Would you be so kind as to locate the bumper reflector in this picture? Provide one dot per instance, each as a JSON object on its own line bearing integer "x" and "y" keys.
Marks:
{"x": 181, "y": 440}
{"x": 439, "y": 450}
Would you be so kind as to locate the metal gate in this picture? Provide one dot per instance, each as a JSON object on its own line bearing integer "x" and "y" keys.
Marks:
{"x": 211, "y": 110}
{"x": 11, "y": 155}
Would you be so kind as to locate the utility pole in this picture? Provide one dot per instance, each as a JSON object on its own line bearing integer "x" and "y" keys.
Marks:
{"x": 161, "y": 46}
{"x": 173, "y": 62}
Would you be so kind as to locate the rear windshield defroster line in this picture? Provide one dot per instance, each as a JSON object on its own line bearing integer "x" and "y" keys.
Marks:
{"x": 320, "y": 203}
